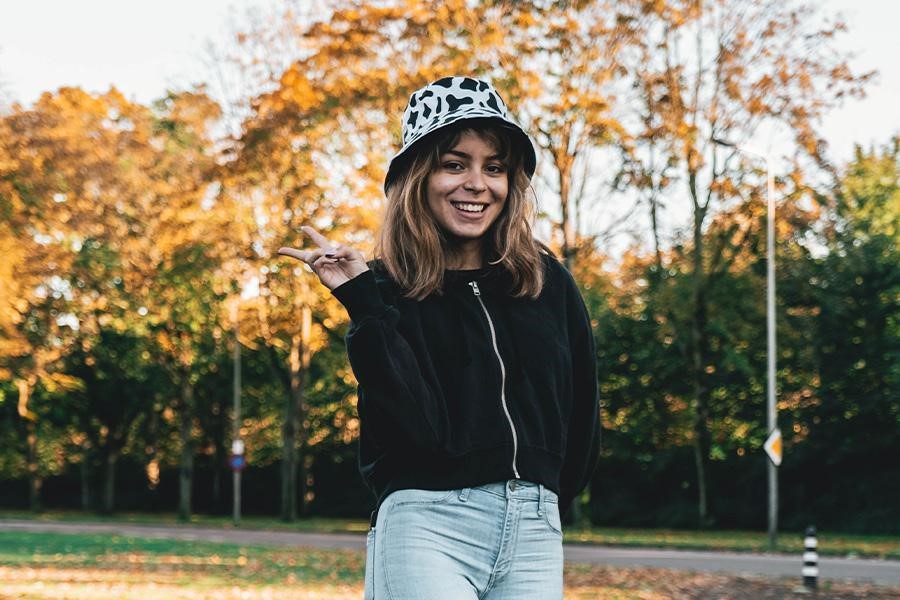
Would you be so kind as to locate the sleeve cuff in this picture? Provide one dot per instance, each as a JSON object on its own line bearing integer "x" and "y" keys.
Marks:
{"x": 360, "y": 296}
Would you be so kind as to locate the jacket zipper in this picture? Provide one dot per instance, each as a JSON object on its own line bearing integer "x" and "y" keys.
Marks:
{"x": 512, "y": 427}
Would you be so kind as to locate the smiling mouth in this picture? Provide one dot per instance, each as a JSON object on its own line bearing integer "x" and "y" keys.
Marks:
{"x": 469, "y": 207}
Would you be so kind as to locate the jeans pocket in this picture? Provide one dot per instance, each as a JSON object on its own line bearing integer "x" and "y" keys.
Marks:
{"x": 413, "y": 496}
{"x": 551, "y": 517}
{"x": 369, "y": 589}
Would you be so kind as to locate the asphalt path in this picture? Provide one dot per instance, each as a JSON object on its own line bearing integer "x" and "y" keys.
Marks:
{"x": 882, "y": 572}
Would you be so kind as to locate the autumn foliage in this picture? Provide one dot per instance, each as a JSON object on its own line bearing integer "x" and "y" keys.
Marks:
{"x": 138, "y": 243}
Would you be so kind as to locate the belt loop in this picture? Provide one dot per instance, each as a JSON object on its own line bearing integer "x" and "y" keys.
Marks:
{"x": 540, "y": 499}
{"x": 464, "y": 494}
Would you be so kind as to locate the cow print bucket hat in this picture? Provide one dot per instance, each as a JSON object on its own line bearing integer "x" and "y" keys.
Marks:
{"x": 447, "y": 101}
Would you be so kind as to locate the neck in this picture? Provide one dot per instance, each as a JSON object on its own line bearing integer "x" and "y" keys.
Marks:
{"x": 467, "y": 255}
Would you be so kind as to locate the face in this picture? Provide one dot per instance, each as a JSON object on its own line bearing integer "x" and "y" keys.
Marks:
{"x": 468, "y": 189}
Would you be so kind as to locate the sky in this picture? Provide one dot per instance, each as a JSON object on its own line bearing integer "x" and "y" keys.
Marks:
{"x": 143, "y": 48}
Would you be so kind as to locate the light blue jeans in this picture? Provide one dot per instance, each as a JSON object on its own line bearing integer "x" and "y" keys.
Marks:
{"x": 500, "y": 541}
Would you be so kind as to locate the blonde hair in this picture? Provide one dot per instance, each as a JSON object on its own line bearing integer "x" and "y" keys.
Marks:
{"x": 414, "y": 249}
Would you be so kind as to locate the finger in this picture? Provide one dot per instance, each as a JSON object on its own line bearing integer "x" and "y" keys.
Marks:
{"x": 318, "y": 238}
{"x": 284, "y": 251}
{"x": 322, "y": 261}
{"x": 294, "y": 253}
{"x": 342, "y": 252}
{"x": 307, "y": 256}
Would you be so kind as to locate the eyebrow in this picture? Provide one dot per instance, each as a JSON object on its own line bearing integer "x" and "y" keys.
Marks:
{"x": 465, "y": 155}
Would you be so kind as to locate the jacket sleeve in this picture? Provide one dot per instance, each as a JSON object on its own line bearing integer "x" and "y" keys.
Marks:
{"x": 583, "y": 442}
{"x": 398, "y": 403}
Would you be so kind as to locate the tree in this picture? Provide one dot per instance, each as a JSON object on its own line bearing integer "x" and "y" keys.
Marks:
{"x": 45, "y": 167}
{"x": 851, "y": 304}
{"x": 294, "y": 317}
{"x": 335, "y": 109}
{"x": 723, "y": 69}
{"x": 556, "y": 63}
{"x": 119, "y": 387}
{"x": 180, "y": 254}
{"x": 109, "y": 197}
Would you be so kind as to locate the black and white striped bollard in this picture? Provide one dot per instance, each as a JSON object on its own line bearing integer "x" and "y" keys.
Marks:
{"x": 810, "y": 559}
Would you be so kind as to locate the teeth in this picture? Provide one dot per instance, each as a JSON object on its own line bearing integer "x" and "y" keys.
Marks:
{"x": 469, "y": 207}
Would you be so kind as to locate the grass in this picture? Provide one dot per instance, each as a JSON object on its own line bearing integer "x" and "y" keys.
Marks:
{"x": 831, "y": 544}
{"x": 50, "y": 565}
{"x": 262, "y": 565}
{"x": 43, "y": 566}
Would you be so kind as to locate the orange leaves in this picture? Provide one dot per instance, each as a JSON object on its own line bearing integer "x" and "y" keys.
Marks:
{"x": 113, "y": 194}
{"x": 654, "y": 6}
{"x": 724, "y": 187}
{"x": 725, "y": 71}
{"x": 297, "y": 89}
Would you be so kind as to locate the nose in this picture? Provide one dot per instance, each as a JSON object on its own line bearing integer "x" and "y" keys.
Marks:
{"x": 475, "y": 182}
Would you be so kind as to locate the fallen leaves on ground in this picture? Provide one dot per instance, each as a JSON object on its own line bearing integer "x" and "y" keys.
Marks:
{"x": 52, "y": 583}
{"x": 582, "y": 583}
{"x": 585, "y": 582}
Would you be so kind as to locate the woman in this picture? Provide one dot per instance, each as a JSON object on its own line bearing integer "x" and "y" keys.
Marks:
{"x": 475, "y": 361}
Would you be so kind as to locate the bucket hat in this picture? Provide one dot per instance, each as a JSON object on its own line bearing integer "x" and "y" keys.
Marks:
{"x": 451, "y": 100}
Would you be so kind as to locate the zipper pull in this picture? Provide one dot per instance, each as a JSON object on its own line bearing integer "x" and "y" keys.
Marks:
{"x": 475, "y": 289}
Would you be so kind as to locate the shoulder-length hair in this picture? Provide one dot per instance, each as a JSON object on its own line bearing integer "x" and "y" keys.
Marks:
{"x": 414, "y": 248}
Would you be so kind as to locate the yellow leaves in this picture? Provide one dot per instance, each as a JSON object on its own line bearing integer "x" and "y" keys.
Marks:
{"x": 525, "y": 19}
{"x": 60, "y": 382}
{"x": 733, "y": 88}
{"x": 755, "y": 106}
{"x": 419, "y": 12}
{"x": 296, "y": 89}
{"x": 724, "y": 187}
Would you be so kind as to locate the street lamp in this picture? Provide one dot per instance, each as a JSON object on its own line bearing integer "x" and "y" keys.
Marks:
{"x": 772, "y": 420}
{"x": 237, "y": 444}
{"x": 238, "y": 459}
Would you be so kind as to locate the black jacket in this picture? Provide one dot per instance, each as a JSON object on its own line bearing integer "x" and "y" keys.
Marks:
{"x": 473, "y": 386}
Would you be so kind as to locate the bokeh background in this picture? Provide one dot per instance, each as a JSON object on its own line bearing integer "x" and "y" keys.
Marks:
{"x": 154, "y": 157}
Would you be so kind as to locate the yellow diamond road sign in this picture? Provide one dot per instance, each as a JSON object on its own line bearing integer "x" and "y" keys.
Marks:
{"x": 773, "y": 447}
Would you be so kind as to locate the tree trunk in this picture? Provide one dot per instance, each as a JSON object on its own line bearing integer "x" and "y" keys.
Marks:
{"x": 218, "y": 461}
{"x": 35, "y": 481}
{"x": 31, "y": 458}
{"x": 216, "y": 430}
{"x": 109, "y": 480}
{"x": 85, "y": 470}
{"x": 289, "y": 448}
{"x": 186, "y": 470}
{"x": 304, "y": 478}
{"x": 700, "y": 402}
{"x": 654, "y": 224}
{"x": 294, "y": 415}
{"x": 151, "y": 466}
{"x": 564, "y": 166}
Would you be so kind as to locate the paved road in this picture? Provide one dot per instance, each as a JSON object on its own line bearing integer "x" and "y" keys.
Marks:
{"x": 883, "y": 572}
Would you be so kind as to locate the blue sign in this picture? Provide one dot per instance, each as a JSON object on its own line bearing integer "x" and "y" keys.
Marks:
{"x": 237, "y": 462}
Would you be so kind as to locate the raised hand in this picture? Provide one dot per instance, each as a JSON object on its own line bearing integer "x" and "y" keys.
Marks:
{"x": 333, "y": 263}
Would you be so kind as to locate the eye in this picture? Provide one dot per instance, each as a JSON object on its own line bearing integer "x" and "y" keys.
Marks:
{"x": 452, "y": 165}
{"x": 495, "y": 168}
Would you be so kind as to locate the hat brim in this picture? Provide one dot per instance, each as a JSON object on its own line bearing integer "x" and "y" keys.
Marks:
{"x": 400, "y": 162}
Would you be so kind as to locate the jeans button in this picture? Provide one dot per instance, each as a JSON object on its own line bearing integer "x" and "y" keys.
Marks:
{"x": 512, "y": 486}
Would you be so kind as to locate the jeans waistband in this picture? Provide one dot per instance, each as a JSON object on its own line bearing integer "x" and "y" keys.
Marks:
{"x": 519, "y": 489}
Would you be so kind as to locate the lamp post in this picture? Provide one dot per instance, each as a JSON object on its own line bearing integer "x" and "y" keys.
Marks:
{"x": 772, "y": 416}
{"x": 237, "y": 445}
